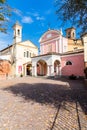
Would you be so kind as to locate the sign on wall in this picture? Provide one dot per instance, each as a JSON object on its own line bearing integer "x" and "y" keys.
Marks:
{"x": 19, "y": 69}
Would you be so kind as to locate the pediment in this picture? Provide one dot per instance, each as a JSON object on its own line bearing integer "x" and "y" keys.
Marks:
{"x": 50, "y": 34}
{"x": 28, "y": 43}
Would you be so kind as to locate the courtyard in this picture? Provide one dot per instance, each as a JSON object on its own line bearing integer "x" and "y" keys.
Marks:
{"x": 30, "y": 103}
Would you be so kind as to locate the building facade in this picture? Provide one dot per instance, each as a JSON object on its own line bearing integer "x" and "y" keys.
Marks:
{"x": 19, "y": 53}
{"x": 59, "y": 55}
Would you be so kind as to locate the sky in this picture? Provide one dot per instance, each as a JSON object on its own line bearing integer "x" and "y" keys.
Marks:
{"x": 36, "y": 17}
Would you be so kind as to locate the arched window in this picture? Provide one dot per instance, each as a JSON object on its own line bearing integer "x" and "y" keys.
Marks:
{"x": 18, "y": 32}
{"x": 27, "y": 53}
{"x": 68, "y": 63}
{"x": 69, "y": 34}
{"x": 73, "y": 34}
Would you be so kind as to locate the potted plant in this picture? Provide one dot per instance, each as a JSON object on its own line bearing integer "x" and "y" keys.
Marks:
{"x": 73, "y": 77}
{"x": 21, "y": 75}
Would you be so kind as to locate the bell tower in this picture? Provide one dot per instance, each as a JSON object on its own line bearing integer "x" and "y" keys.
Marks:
{"x": 70, "y": 33}
{"x": 17, "y": 32}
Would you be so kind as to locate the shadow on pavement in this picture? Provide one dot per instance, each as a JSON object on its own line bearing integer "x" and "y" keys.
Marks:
{"x": 45, "y": 93}
{"x": 53, "y": 94}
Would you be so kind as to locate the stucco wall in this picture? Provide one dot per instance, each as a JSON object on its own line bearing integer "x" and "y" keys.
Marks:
{"x": 77, "y": 67}
{"x": 53, "y": 41}
{"x": 72, "y": 45}
{"x": 20, "y": 58}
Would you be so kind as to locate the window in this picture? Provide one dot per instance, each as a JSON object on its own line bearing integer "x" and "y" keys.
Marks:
{"x": 68, "y": 34}
{"x": 27, "y": 53}
{"x": 18, "y": 32}
{"x": 30, "y": 54}
{"x": 68, "y": 63}
{"x": 24, "y": 54}
{"x": 73, "y": 34}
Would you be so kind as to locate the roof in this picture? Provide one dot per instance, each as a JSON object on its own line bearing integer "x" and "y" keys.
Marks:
{"x": 62, "y": 54}
{"x": 84, "y": 34}
{"x": 17, "y": 43}
{"x": 50, "y": 53}
{"x": 70, "y": 28}
{"x": 74, "y": 52}
{"x": 17, "y": 23}
{"x": 6, "y": 48}
{"x": 5, "y": 57}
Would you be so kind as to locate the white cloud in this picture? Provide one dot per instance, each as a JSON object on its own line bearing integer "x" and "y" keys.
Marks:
{"x": 40, "y": 18}
{"x": 27, "y": 19}
{"x": 35, "y": 14}
{"x": 17, "y": 12}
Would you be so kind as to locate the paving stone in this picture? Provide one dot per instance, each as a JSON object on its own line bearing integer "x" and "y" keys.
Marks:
{"x": 30, "y": 103}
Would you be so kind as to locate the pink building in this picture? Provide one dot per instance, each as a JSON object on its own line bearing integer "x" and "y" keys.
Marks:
{"x": 53, "y": 41}
{"x": 73, "y": 63}
{"x": 54, "y": 58}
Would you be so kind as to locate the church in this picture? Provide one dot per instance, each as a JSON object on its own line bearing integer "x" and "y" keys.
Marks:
{"x": 59, "y": 55}
{"x": 18, "y": 55}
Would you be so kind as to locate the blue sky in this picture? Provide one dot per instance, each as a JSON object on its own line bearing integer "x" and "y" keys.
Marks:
{"x": 35, "y": 17}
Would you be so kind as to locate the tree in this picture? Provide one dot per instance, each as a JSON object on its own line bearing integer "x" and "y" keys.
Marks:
{"x": 74, "y": 10}
{"x": 5, "y": 12}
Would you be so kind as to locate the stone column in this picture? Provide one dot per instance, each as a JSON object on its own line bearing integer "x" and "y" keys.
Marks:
{"x": 48, "y": 70}
{"x": 34, "y": 70}
{"x": 25, "y": 70}
{"x": 59, "y": 69}
{"x": 52, "y": 70}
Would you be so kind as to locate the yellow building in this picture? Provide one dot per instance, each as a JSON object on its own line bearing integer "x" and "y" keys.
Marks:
{"x": 73, "y": 43}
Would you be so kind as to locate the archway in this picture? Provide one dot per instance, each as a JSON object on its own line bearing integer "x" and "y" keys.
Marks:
{"x": 29, "y": 69}
{"x": 41, "y": 68}
{"x": 57, "y": 67}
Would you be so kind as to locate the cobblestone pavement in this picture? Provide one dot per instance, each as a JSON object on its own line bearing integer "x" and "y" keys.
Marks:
{"x": 30, "y": 103}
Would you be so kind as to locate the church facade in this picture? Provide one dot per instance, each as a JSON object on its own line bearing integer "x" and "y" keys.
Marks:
{"x": 59, "y": 55}
{"x": 19, "y": 54}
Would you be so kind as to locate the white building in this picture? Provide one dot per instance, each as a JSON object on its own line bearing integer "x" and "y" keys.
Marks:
{"x": 20, "y": 53}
